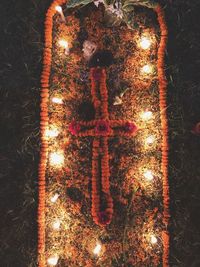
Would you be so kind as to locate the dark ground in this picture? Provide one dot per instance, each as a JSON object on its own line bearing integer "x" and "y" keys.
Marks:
{"x": 21, "y": 23}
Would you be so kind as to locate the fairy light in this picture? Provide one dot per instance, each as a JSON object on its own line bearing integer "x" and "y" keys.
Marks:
{"x": 64, "y": 44}
{"x": 54, "y": 198}
{"x": 145, "y": 43}
{"x": 147, "y": 115}
{"x": 52, "y": 132}
{"x": 150, "y": 140}
{"x": 56, "y": 225}
{"x": 97, "y": 249}
{"x": 153, "y": 239}
{"x": 60, "y": 11}
{"x": 147, "y": 69}
{"x": 57, "y": 100}
{"x": 148, "y": 175}
{"x": 57, "y": 159}
{"x": 53, "y": 260}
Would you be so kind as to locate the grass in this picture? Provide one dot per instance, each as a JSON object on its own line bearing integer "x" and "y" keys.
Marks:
{"x": 21, "y": 48}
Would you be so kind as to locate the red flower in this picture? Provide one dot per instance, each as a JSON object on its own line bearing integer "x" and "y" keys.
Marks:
{"x": 97, "y": 73}
{"x": 74, "y": 127}
{"x": 104, "y": 217}
{"x": 102, "y": 127}
{"x": 130, "y": 127}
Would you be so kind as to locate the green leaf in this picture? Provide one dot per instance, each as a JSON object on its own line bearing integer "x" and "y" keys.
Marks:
{"x": 74, "y": 3}
{"x": 147, "y": 3}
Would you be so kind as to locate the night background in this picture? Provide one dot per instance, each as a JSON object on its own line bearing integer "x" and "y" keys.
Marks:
{"x": 22, "y": 32}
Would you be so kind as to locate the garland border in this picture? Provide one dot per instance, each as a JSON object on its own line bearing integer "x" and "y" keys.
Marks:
{"x": 44, "y": 119}
{"x": 164, "y": 124}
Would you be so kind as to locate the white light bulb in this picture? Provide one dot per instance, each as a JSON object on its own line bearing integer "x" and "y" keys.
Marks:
{"x": 147, "y": 69}
{"x": 53, "y": 260}
{"x": 54, "y": 198}
{"x": 148, "y": 175}
{"x": 97, "y": 249}
{"x": 57, "y": 159}
{"x": 56, "y": 225}
{"x": 59, "y": 9}
{"x": 57, "y": 100}
{"x": 145, "y": 43}
{"x": 150, "y": 140}
{"x": 52, "y": 132}
{"x": 147, "y": 115}
{"x": 64, "y": 44}
{"x": 153, "y": 239}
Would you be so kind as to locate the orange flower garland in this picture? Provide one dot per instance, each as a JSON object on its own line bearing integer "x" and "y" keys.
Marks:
{"x": 163, "y": 115}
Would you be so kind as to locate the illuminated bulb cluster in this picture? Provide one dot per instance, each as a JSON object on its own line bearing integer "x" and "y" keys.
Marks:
{"x": 57, "y": 100}
{"x": 52, "y": 260}
{"x": 57, "y": 159}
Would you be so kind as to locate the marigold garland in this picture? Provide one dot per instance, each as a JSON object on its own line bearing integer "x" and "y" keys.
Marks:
{"x": 163, "y": 115}
{"x": 47, "y": 57}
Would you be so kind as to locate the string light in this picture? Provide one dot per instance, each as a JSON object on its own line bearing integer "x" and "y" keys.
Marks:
{"x": 145, "y": 43}
{"x": 52, "y": 132}
{"x": 148, "y": 175}
{"x": 60, "y": 11}
{"x": 56, "y": 225}
{"x": 97, "y": 249}
{"x": 57, "y": 100}
{"x": 150, "y": 140}
{"x": 147, "y": 69}
{"x": 64, "y": 44}
{"x": 53, "y": 260}
{"x": 153, "y": 239}
{"x": 54, "y": 198}
{"x": 57, "y": 159}
{"x": 147, "y": 115}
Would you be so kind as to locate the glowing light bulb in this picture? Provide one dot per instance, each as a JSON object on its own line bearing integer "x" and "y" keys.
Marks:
{"x": 56, "y": 225}
{"x": 54, "y": 198}
{"x": 52, "y": 132}
{"x": 53, "y": 260}
{"x": 97, "y": 249}
{"x": 153, "y": 239}
{"x": 145, "y": 43}
{"x": 57, "y": 159}
{"x": 150, "y": 140}
{"x": 147, "y": 115}
{"x": 147, "y": 69}
{"x": 59, "y": 10}
{"x": 57, "y": 100}
{"x": 64, "y": 44}
{"x": 148, "y": 175}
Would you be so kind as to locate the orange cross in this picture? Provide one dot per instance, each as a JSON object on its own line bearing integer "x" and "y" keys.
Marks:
{"x": 101, "y": 129}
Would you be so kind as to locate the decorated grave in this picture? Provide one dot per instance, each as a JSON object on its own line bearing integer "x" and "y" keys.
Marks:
{"x": 103, "y": 186}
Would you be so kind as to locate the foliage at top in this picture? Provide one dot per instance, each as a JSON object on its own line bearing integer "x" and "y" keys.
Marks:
{"x": 116, "y": 10}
